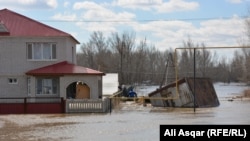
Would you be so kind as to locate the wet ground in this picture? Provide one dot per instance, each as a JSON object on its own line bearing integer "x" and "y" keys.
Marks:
{"x": 130, "y": 122}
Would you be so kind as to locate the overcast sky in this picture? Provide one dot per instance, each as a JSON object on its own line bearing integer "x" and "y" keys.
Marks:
{"x": 164, "y": 23}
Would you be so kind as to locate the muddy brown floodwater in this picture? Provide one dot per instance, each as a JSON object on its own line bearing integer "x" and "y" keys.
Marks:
{"x": 131, "y": 122}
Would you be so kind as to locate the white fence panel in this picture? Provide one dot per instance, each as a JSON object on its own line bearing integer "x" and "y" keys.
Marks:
{"x": 87, "y": 105}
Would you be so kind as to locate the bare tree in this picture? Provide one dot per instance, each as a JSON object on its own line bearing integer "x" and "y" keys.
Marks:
{"x": 123, "y": 45}
{"x": 139, "y": 60}
{"x": 237, "y": 67}
{"x": 94, "y": 53}
{"x": 246, "y": 64}
{"x": 204, "y": 61}
{"x": 186, "y": 62}
{"x": 86, "y": 57}
{"x": 145, "y": 63}
{"x": 100, "y": 46}
{"x": 154, "y": 65}
{"x": 222, "y": 71}
{"x": 202, "y": 64}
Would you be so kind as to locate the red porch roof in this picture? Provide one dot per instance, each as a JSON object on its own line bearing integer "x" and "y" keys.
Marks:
{"x": 63, "y": 68}
{"x": 14, "y": 24}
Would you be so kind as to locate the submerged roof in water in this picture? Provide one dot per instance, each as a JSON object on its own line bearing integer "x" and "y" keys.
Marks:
{"x": 202, "y": 88}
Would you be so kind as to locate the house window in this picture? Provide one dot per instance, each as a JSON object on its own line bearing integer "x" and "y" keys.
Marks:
{"x": 12, "y": 80}
{"x": 47, "y": 85}
{"x": 41, "y": 51}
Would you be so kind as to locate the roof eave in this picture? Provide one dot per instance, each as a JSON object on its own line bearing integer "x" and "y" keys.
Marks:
{"x": 4, "y": 34}
{"x": 62, "y": 74}
{"x": 77, "y": 42}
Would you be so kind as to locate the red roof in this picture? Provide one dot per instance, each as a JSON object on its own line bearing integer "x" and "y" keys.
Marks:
{"x": 14, "y": 24}
{"x": 63, "y": 68}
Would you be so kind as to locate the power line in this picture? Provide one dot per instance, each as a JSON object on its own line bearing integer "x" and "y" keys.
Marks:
{"x": 146, "y": 20}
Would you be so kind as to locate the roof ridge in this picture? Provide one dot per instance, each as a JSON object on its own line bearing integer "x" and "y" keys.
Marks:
{"x": 63, "y": 68}
{"x": 36, "y": 22}
{"x": 5, "y": 9}
{"x": 62, "y": 62}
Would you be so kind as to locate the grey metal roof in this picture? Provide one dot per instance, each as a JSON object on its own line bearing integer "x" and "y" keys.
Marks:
{"x": 205, "y": 94}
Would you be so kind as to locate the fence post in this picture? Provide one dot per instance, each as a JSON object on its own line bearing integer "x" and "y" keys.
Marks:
{"x": 25, "y": 105}
{"x": 110, "y": 105}
{"x": 62, "y": 105}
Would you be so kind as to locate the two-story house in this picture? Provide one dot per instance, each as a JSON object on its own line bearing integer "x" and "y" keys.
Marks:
{"x": 37, "y": 60}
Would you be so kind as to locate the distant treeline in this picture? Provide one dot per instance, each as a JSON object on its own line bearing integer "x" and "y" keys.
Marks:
{"x": 143, "y": 63}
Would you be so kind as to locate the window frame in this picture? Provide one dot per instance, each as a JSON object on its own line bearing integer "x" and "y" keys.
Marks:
{"x": 54, "y": 87}
{"x": 42, "y": 46}
{"x": 12, "y": 80}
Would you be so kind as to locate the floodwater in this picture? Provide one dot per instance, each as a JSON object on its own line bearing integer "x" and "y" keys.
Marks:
{"x": 130, "y": 122}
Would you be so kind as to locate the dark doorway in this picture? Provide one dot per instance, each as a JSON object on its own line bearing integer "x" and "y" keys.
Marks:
{"x": 71, "y": 90}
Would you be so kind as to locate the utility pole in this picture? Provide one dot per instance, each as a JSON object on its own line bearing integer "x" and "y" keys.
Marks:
{"x": 169, "y": 64}
{"x": 194, "y": 79}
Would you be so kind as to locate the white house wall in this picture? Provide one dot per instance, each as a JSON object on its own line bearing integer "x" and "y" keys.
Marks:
{"x": 13, "y": 55}
{"x": 32, "y": 87}
{"x": 65, "y": 81}
{"x": 13, "y": 90}
{"x": 90, "y": 80}
{"x": 69, "y": 51}
{"x": 14, "y": 62}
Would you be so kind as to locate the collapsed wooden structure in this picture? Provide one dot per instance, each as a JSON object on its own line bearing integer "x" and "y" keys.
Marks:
{"x": 186, "y": 92}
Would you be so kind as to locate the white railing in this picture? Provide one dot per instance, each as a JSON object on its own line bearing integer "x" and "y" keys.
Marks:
{"x": 87, "y": 105}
